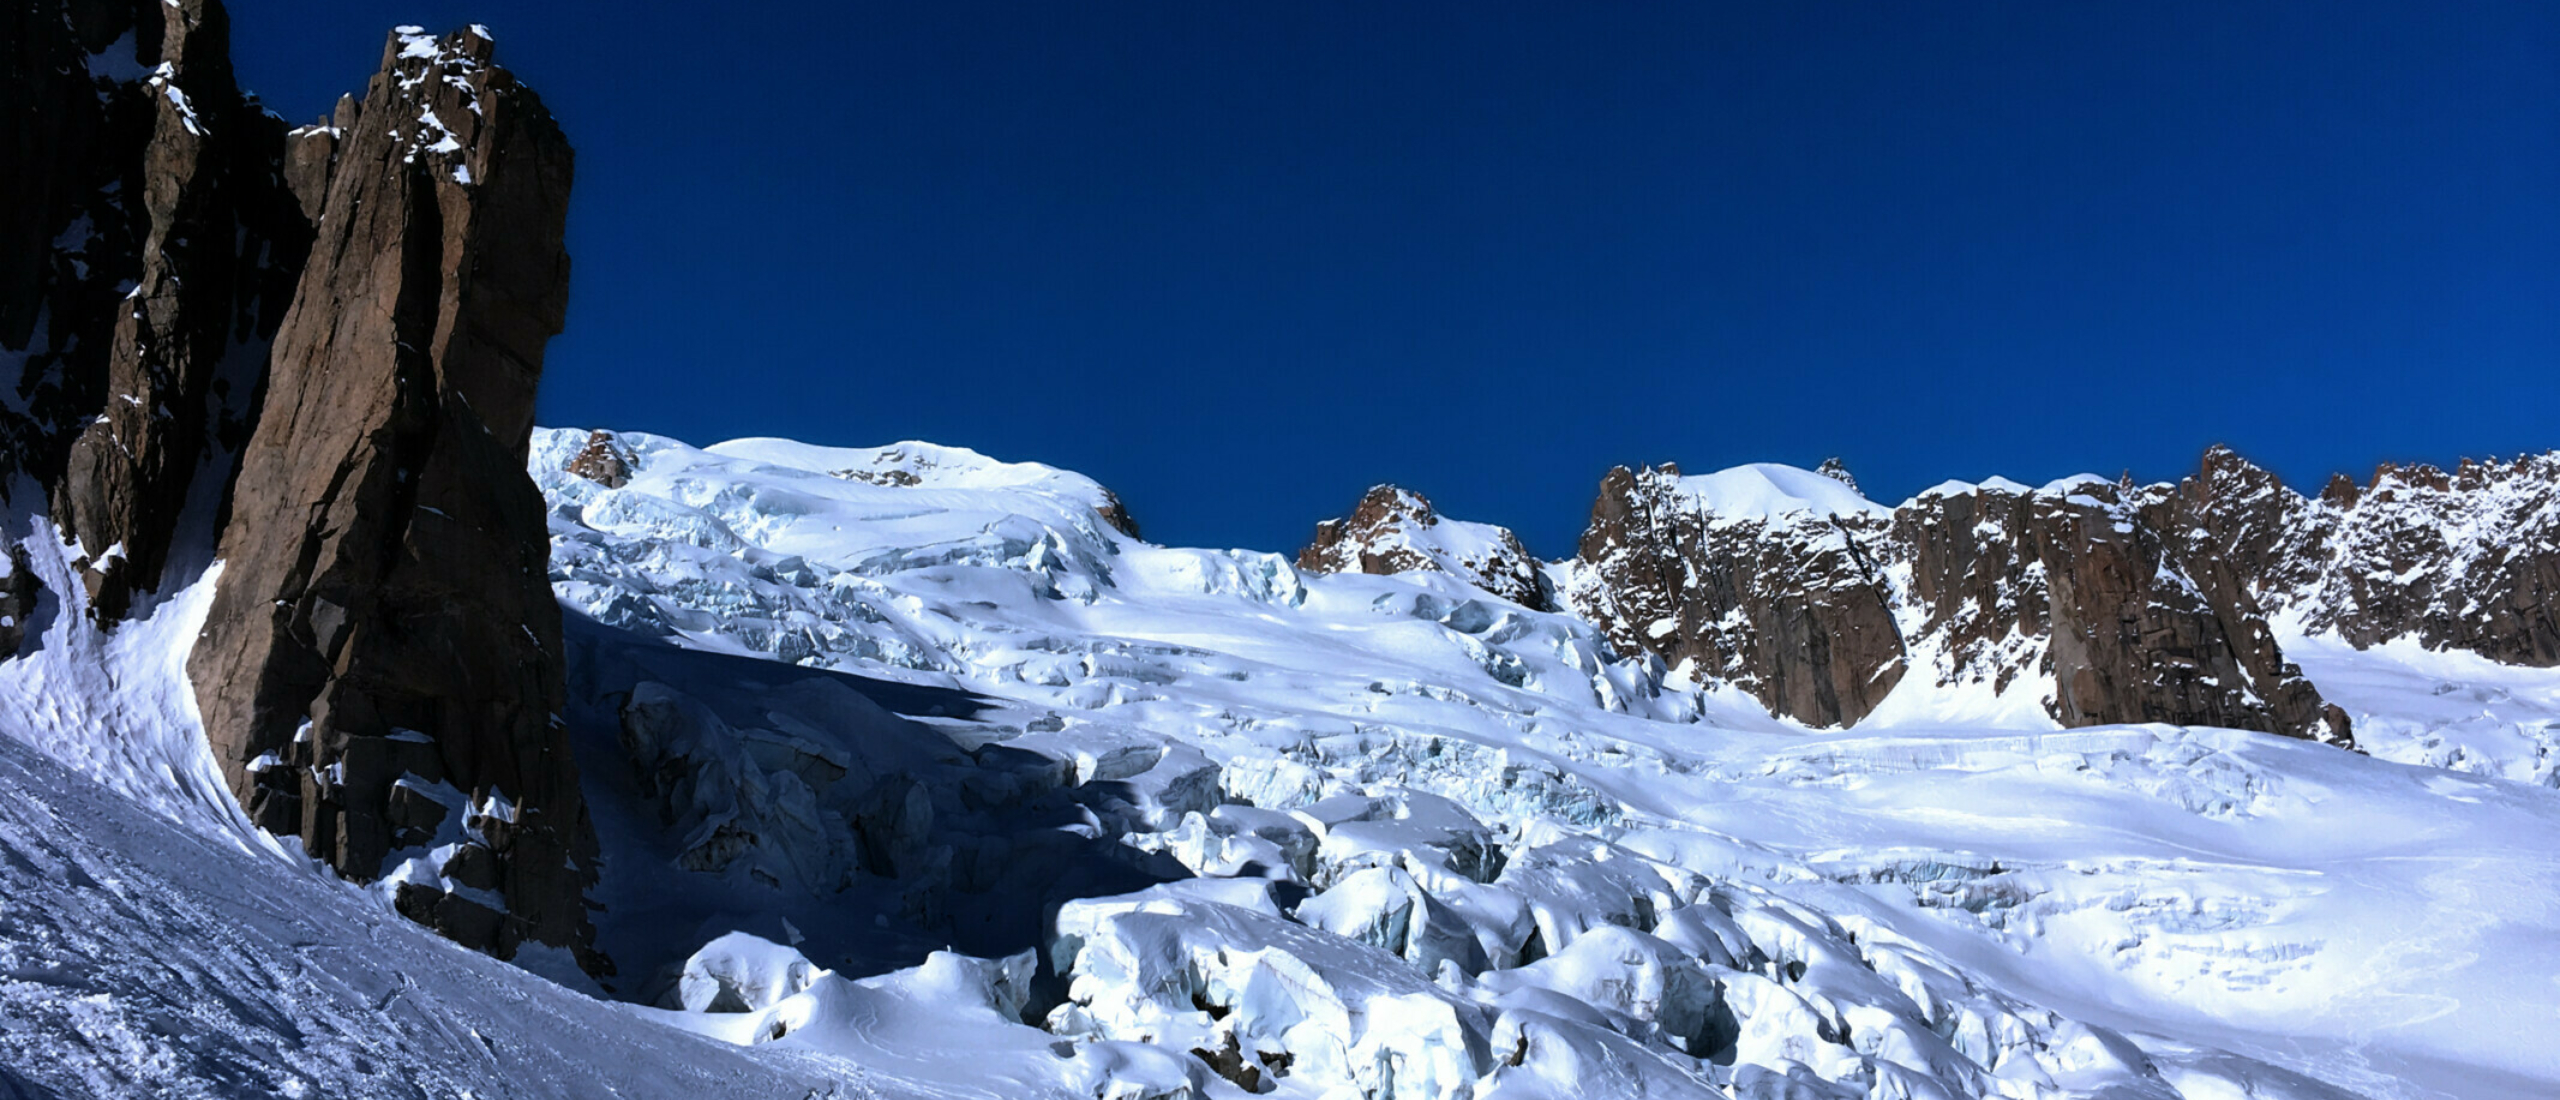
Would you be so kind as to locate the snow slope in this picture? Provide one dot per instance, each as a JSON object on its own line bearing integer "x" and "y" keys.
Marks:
{"x": 152, "y": 945}
{"x": 1766, "y": 490}
{"x": 2222, "y": 899}
{"x": 1200, "y": 825}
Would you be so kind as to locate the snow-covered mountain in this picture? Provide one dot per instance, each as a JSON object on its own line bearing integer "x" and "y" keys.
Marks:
{"x": 330, "y": 687}
{"x": 1401, "y": 790}
{"x": 1395, "y": 530}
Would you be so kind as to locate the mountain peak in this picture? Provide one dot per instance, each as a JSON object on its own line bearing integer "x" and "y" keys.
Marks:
{"x": 1396, "y": 530}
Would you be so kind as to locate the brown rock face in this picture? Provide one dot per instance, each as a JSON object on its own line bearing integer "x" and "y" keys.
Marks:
{"x": 1788, "y": 607}
{"x": 2091, "y": 585}
{"x": 75, "y": 117}
{"x": 383, "y": 663}
{"x": 1820, "y": 612}
{"x": 164, "y": 258}
{"x": 602, "y": 461}
{"x": 2466, "y": 560}
{"x": 1116, "y": 513}
{"x": 2268, "y": 534}
{"x": 1395, "y": 530}
{"x": 18, "y": 594}
{"x": 383, "y": 612}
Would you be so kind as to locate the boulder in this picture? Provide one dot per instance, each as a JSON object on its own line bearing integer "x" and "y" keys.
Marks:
{"x": 741, "y": 972}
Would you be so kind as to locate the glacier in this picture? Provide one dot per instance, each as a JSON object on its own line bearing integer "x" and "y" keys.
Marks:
{"x": 916, "y": 774}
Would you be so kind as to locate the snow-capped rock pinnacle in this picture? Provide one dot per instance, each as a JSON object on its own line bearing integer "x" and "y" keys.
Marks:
{"x": 380, "y": 673}
{"x": 383, "y": 629}
{"x": 602, "y": 461}
{"x": 1395, "y": 530}
{"x": 1760, "y": 576}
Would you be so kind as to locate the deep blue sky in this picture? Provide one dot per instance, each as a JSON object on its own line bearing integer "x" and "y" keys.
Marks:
{"x": 1240, "y": 261}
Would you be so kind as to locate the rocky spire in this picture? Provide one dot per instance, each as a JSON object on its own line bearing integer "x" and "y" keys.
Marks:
{"x": 381, "y": 671}
{"x": 602, "y": 460}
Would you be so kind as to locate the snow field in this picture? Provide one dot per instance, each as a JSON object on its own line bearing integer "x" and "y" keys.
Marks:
{"x": 2037, "y": 912}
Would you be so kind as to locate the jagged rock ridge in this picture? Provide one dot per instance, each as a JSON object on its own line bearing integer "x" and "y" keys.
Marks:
{"x": 381, "y": 673}
{"x": 2103, "y": 599}
{"x": 2464, "y": 560}
{"x": 1395, "y": 530}
{"x": 1820, "y": 603}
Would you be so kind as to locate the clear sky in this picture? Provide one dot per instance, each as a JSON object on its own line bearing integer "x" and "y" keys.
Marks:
{"x": 1241, "y": 260}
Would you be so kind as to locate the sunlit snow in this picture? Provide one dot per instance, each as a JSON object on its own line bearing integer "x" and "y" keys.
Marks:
{"x": 915, "y": 777}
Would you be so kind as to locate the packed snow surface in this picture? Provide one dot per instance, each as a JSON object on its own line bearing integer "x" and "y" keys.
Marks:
{"x": 915, "y": 777}
{"x": 1765, "y": 490}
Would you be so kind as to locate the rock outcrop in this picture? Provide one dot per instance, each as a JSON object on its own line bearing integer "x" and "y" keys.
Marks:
{"x": 2464, "y": 560}
{"x": 1116, "y": 513}
{"x": 156, "y": 252}
{"x": 2092, "y": 586}
{"x": 18, "y": 595}
{"x": 2109, "y": 602}
{"x": 602, "y": 461}
{"x": 1819, "y": 603}
{"x": 1395, "y": 530}
{"x": 346, "y": 427}
{"x": 384, "y": 618}
{"x": 1737, "y": 579}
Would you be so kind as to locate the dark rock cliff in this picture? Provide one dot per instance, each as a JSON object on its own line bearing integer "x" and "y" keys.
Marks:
{"x": 314, "y": 353}
{"x": 383, "y": 616}
{"x": 2467, "y": 559}
{"x": 1787, "y": 607}
{"x": 154, "y": 255}
{"x": 2090, "y": 590}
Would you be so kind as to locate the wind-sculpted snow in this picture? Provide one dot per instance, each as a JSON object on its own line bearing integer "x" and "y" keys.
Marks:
{"x": 1408, "y": 838}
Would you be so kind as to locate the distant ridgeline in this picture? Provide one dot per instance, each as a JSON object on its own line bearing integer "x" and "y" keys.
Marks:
{"x": 311, "y": 353}
{"x": 2106, "y": 602}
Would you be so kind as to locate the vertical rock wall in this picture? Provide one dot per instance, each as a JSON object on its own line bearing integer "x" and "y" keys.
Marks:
{"x": 345, "y": 425}
{"x": 1787, "y": 607}
{"x": 2087, "y": 589}
{"x": 383, "y": 622}
{"x": 155, "y": 253}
